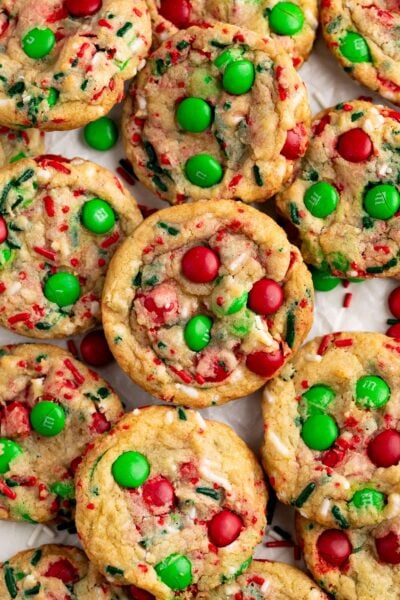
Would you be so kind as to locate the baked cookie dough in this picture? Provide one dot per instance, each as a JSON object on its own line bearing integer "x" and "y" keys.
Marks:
{"x": 358, "y": 564}
{"x": 170, "y": 503}
{"x": 205, "y": 302}
{"x": 216, "y": 113}
{"x": 331, "y": 419}
{"x": 63, "y": 64}
{"x": 345, "y": 198}
{"x": 60, "y": 222}
{"x": 363, "y": 36}
{"x": 16, "y": 144}
{"x": 292, "y": 24}
{"x": 51, "y": 407}
{"x": 54, "y": 572}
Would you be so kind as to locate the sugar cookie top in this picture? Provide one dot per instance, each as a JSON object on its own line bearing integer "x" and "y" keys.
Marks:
{"x": 363, "y": 36}
{"x": 170, "y": 503}
{"x": 205, "y": 302}
{"x": 60, "y": 222}
{"x": 216, "y": 113}
{"x": 63, "y": 64}
{"x": 19, "y": 143}
{"x": 345, "y": 197}
{"x": 292, "y": 24}
{"x": 331, "y": 444}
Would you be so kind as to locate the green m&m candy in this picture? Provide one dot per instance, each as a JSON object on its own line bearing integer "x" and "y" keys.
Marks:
{"x": 17, "y": 157}
{"x": 372, "y": 392}
{"x": 286, "y": 18}
{"x": 194, "y": 115}
{"x": 62, "y": 289}
{"x": 131, "y": 469}
{"x": 8, "y": 451}
{"x": 355, "y": 48}
{"x": 98, "y": 216}
{"x": 368, "y": 498}
{"x": 237, "y": 304}
{"x": 175, "y": 571}
{"x": 239, "y": 77}
{"x": 323, "y": 280}
{"x": 203, "y": 170}
{"x": 228, "y": 56}
{"x": 382, "y": 201}
{"x": 101, "y": 134}
{"x": 52, "y": 97}
{"x": 198, "y": 332}
{"x": 319, "y": 432}
{"x": 38, "y": 42}
{"x": 321, "y": 199}
{"x": 48, "y": 418}
{"x": 318, "y": 398}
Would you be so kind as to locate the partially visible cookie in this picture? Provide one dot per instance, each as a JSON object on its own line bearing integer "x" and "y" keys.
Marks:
{"x": 55, "y": 572}
{"x": 170, "y": 502}
{"x": 19, "y": 143}
{"x": 292, "y": 24}
{"x": 359, "y": 564}
{"x": 331, "y": 422}
{"x": 51, "y": 407}
{"x": 61, "y": 221}
{"x": 363, "y": 36}
{"x": 63, "y": 64}
{"x": 217, "y": 112}
{"x": 345, "y": 197}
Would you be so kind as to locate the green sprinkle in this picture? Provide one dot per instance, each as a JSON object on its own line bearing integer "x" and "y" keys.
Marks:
{"x": 37, "y": 555}
{"x": 28, "y": 518}
{"x": 367, "y": 222}
{"x": 26, "y": 175}
{"x": 340, "y": 519}
{"x": 160, "y": 66}
{"x": 170, "y": 230}
{"x": 294, "y": 213}
{"x": 290, "y": 329}
{"x": 304, "y": 495}
{"x": 58, "y": 76}
{"x": 391, "y": 263}
{"x": 205, "y": 491}
{"x": 17, "y": 88}
{"x": 138, "y": 280}
{"x": 114, "y": 570}
{"x": 357, "y": 115}
{"x": 63, "y": 489}
{"x": 41, "y": 357}
{"x": 182, "y": 414}
{"x": 257, "y": 176}
{"x": 124, "y": 29}
{"x": 159, "y": 183}
{"x": 10, "y": 582}
{"x": 161, "y": 345}
{"x": 103, "y": 392}
{"x": 17, "y": 157}
{"x": 182, "y": 45}
{"x": 84, "y": 84}
{"x": 42, "y": 326}
{"x": 33, "y": 591}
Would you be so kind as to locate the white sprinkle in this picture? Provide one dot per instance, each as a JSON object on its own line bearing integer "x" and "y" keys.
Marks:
{"x": 189, "y": 391}
{"x": 235, "y": 264}
{"x": 319, "y": 99}
{"x": 201, "y": 421}
{"x": 137, "y": 45}
{"x": 49, "y": 532}
{"x": 369, "y": 126}
{"x": 311, "y": 20}
{"x": 141, "y": 65}
{"x": 265, "y": 586}
{"x": 34, "y": 536}
{"x": 192, "y": 513}
{"x": 262, "y": 333}
{"x": 136, "y": 412}
{"x": 169, "y": 417}
{"x": 313, "y": 358}
{"x": 14, "y": 288}
{"x": 29, "y": 580}
{"x": 353, "y": 274}
{"x": 343, "y": 481}
{"x": 275, "y": 441}
{"x": 315, "y": 594}
{"x": 383, "y": 170}
{"x": 269, "y": 397}
{"x": 393, "y": 506}
{"x": 205, "y": 471}
{"x": 43, "y": 174}
{"x": 141, "y": 102}
{"x": 325, "y": 506}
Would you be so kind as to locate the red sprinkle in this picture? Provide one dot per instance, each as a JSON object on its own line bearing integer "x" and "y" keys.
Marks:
{"x": 347, "y": 300}
{"x": 343, "y": 343}
{"x": 77, "y": 376}
{"x": 323, "y": 347}
{"x": 46, "y": 253}
{"x": 6, "y": 491}
{"x": 18, "y": 318}
{"x": 279, "y": 544}
{"x": 49, "y": 206}
{"x": 113, "y": 239}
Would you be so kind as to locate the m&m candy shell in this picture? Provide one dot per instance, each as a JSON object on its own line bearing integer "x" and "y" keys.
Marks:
{"x": 321, "y": 199}
{"x": 355, "y": 145}
{"x": 176, "y": 11}
{"x": 286, "y": 18}
{"x": 82, "y": 8}
{"x": 95, "y": 350}
{"x": 194, "y": 115}
{"x": 224, "y": 528}
{"x": 318, "y": 398}
{"x": 203, "y": 170}
{"x": 355, "y": 48}
{"x": 367, "y": 498}
{"x": 394, "y": 302}
{"x": 384, "y": 448}
{"x": 131, "y": 469}
{"x": 159, "y": 493}
{"x": 319, "y": 432}
{"x": 265, "y": 297}
{"x": 372, "y": 392}
{"x": 197, "y": 332}
{"x": 382, "y": 201}
{"x": 3, "y": 230}
{"x": 175, "y": 571}
{"x": 38, "y": 42}
{"x": 388, "y": 548}
{"x": 62, "y": 289}
{"x": 138, "y": 594}
{"x": 334, "y": 547}
{"x": 98, "y": 216}
{"x": 101, "y": 134}
{"x": 239, "y": 77}
{"x": 200, "y": 264}
{"x": 48, "y": 418}
{"x": 265, "y": 364}
{"x": 8, "y": 451}
{"x": 323, "y": 280}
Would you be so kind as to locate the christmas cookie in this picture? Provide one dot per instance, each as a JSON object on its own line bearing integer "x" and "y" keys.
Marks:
{"x": 51, "y": 407}
{"x": 292, "y": 24}
{"x": 54, "y": 573}
{"x": 363, "y": 36}
{"x": 345, "y": 198}
{"x": 358, "y": 564}
{"x": 63, "y": 64}
{"x": 332, "y": 440}
{"x": 60, "y": 222}
{"x": 216, "y": 113}
{"x": 170, "y": 503}
{"x": 17, "y": 144}
{"x": 205, "y": 302}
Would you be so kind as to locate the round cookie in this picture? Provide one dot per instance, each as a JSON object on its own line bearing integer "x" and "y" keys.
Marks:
{"x": 331, "y": 442}
{"x": 205, "y": 302}
{"x": 55, "y": 572}
{"x": 359, "y": 564}
{"x": 51, "y": 407}
{"x": 216, "y": 113}
{"x": 363, "y": 36}
{"x": 345, "y": 198}
{"x": 292, "y": 24}
{"x": 170, "y": 503}
{"x": 60, "y": 222}
{"x": 64, "y": 64}
{"x": 16, "y": 144}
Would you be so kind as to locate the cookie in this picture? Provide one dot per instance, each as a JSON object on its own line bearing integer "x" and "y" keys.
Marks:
{"x": 216, "y": 113}
{"x": 55, "y": 572}
{"x": 358, "y": 564}
{"x": 51, "y": 407}
{"x": 205, "y": 302}
{"x": 63, "y": 64}
{"x": 331, "y": 442}
{"x": 363, "y": 36}
{"x": 292, "y": 24}
{"x": 345, "y": 197}
{"x": 60, "y": 222}
{"x": 170, "y": 503}
{"x": 16, "y": 144}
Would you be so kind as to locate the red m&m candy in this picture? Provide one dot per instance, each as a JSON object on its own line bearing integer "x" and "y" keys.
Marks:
{"x": 3, "y": 230}
{"x": 224, "y": 528}
{"x": 334, "y": 547}
{"x": 394, "y": 302}
{"x": 265, "y": 297}
{"x": 264, "y": 364}
{"x": 384, "y": 449}
{"x": 394, "y": 331}
{"x": 200, "y": 264}
{"x": 159, "y": 493}
{"x": 138, "y": 594}
{"x": 295, "y": 143}
{"x": 355, "y": 145}
{"x": 388, "y": 548}
{"x": 95, "y": 350}
{"x": 176, "y": 11}
{"x": 64, "y": 570}
{"x": 83, "y": 8}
